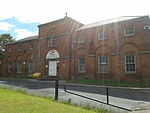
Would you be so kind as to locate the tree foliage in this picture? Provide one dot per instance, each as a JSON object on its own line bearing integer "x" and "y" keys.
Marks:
{"x": 5, "y": 39}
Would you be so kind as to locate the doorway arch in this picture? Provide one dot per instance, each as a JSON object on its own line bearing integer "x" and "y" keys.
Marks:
{"x": 52, "y": 58}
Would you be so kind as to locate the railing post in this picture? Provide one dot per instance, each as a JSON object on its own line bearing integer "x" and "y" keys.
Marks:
{"x": 56, "y": 89}
{"x": 64, "y": 88}
{"x": 107, "y": 95}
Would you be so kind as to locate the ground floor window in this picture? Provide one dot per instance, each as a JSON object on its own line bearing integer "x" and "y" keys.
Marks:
{"x": 30, "y": 67}
{"x": 19, "y": 67}
{"x": 130, "y": 63}
{"x": 103, "y": 64}
{"x": 81, "y": 65}
{"x": 9, "y": 67}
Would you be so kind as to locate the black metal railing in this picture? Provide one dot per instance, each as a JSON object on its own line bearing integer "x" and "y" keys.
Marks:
{"x": 107, "y": 93}
{"x": 96, "y": 100}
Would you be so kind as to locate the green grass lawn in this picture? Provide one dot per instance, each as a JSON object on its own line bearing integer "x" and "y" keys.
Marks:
{"x": 16, "y": 102}
{"x": 17, "y": 76}
{"x": 112, "y": 83}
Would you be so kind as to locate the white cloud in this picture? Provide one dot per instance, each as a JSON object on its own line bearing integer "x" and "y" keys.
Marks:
{"x": 23, "y": 33}
{"x": 4, "y": 26}
{"x": 86, "y": 11}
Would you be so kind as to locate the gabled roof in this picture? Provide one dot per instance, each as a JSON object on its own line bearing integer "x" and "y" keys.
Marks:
{"x": 24, "y": 39}
{"x": 59, "y": 20}
{"x": 109, "y": 21}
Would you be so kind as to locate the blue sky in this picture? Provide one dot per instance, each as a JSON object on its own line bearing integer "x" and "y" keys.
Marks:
{"x": 20, "y": 18}
{"x": 17, "y": 28}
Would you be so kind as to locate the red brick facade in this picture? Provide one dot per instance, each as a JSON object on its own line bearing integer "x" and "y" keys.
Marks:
{"x": 109, "y": 50}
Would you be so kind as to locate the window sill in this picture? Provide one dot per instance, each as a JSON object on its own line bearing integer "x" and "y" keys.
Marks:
{"x": 18, "y": 72}
{"x": 102, "y": 39}
{"x": 129, "y": 35}
{"x": 130, "y": 73}
{"x": 103, "y": 72}
{"x": 81, "y": 72}
{"x": 80, "y": 42}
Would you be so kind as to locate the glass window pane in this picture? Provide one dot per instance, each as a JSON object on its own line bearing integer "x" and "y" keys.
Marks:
{"x": 103, "y": 60}
{"x": 101, "y": 35}
{"x": 19, "y": 67}
{"x": 81, "y": 65}
{"x": 81, "y": 61}
{"x": 103, "y": 68}
{"x": 53, "y": 40}
{"x": 80, "y": 39}
{"x": 30, "y": 66}
{"x": 129, "y": 31}
{"x": 130, "y": 63}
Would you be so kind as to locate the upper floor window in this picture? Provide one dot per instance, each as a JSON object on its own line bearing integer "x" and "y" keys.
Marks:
{"x": 9, "y": 50}
{"x": 53, "y": 40}
{"x": 20, "y": 47}
{"x": 102, "y": 35}
{"x": 129, "y": 31}
{"x": 30, "y": 46}
{"x": 130, "y": 64}
{"x": 80, "y": 40}
{"x": 103, "y": 64}
{"x": 81, "y": 65}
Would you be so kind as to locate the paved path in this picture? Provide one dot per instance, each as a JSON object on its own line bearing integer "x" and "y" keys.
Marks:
{"x": 127, "y": 98}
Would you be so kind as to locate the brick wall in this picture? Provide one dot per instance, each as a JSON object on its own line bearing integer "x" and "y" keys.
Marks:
{"x": 115, "y": 46}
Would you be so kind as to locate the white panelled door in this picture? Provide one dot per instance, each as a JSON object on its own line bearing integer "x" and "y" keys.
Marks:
{"x": 52, "y": 68}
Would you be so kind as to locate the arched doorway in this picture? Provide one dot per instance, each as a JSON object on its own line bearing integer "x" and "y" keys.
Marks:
{"x": 52, "y": 57}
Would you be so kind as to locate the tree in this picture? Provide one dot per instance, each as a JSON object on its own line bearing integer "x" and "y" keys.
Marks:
{"x": 5, "y": 39}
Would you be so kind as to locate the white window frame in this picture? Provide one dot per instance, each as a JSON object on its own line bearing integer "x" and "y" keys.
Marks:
{"x": 9, "y": 68}
{"x": 130, "y": 63}
{"x": 80, "y": 65}
{"x": 9, "y": 50}
{"x": 19, "y": 67}
{"x": 30, "y": 67}
{"x": 80, "y": 40}
{"x": 103, "y": 64}
{"x": 20, "y": 47}
{"x": 53, "y": 38}
{"x": 102, "y": 35}
{"x": 128, "y": 32}
{"x": 30, "y": 46}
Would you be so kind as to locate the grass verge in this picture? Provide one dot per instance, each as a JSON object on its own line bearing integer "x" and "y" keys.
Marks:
{"x": 18, "y": 102}
{"x": 18, "y": 77}
{"x": 113, "y": 83}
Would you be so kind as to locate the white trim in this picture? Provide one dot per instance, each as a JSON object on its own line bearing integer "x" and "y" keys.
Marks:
{"x": 82, "y": 65}
{"x": 9, "y": 67}
{"x": 130, "y": 72}
{"x": 53, "y": 37}
{"x": 103, "y": 64}
{"x": 144, "y": 52}
{"x": 80, "y": 40}
{"x": 30, "y": 67}
{"x": 19, "y": 67}
{"x": 52, "y": 54}
{"x": 103, "y": 34}
{"x": 129, "y": 34}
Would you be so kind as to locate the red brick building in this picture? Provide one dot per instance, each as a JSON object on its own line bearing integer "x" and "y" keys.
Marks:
{"x": 116, "y": 49}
